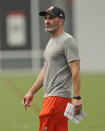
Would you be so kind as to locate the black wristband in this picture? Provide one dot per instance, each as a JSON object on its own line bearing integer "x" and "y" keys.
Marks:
{"x": 77, "y": 97}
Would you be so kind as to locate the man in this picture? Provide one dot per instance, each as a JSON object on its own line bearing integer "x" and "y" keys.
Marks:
{"x": 60, "y": 70}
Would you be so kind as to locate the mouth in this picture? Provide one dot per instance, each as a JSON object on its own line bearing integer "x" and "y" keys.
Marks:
{"x": 48, "y": 26}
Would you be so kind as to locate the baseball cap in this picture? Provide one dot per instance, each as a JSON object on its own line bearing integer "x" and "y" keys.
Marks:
{"x": 54, "y": 11}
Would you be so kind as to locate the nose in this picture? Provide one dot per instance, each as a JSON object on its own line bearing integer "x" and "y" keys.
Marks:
{"x": 47, "y": 21}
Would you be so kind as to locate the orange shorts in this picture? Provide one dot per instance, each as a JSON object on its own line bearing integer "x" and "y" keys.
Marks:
{"x": 52, "y": 114}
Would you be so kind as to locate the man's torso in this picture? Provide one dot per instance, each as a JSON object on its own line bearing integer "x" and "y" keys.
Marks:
{"x": 58, "y": 77}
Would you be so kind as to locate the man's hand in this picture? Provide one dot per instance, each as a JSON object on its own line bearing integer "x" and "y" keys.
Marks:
{"x": 77, "y": 106}
{"x": 27, "y": 100}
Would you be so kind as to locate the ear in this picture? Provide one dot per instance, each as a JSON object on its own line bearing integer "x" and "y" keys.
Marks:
{"x": 61, "y": 22}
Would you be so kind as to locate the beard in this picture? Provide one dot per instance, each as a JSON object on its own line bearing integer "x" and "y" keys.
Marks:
{"x": 52, "y": 28}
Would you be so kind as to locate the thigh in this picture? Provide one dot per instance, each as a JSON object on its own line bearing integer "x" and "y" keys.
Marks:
{"x": 61, "y": 120}
{"x": 52, "y": 114}
{"x": 46, "y": 115}
{"x": 45, "y": 124}
{"x": 61, "y": 124}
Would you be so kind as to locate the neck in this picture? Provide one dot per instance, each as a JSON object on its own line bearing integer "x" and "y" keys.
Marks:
{"x": 56, "y": 33}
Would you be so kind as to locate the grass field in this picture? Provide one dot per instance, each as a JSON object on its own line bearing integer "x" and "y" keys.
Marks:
{"x": 13, "y": 117}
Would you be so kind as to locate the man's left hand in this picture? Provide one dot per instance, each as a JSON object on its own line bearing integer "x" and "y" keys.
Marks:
{"x": 77, "y": 106}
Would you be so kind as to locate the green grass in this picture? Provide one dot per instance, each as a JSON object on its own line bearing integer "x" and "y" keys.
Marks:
{"x": 13, "y": 117}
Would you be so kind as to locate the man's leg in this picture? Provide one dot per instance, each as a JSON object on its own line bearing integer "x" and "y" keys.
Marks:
{"x": 62, "y": 124}
{"x": 52, "y": 114}
{"x": 46, "y": 124}
{"x": 46, "y": 115}
{"x": 61, "y": 120}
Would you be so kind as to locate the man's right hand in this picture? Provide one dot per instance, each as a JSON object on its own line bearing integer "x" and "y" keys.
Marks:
{"x": 27, "y": 100}
{"x": 36, "y": 86}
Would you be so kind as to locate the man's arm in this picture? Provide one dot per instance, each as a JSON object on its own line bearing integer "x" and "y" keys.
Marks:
{"x": 75, "y": 69}
{"x": 36, "y": 86}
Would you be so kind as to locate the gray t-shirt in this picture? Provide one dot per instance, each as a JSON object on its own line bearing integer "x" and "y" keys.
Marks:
{"x": 58, "y": 77}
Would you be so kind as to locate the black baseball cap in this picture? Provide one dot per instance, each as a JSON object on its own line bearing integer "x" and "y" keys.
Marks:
{"x": 54, "y": 11}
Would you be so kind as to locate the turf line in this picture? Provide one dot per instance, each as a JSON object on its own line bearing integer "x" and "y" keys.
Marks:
{"x": 20, "y": 93}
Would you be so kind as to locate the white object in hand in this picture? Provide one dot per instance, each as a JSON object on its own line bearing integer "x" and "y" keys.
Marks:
{"x": 69, "y": 113}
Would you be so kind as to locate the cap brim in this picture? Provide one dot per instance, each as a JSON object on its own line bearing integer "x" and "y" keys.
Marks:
{"x": 44, "y": 13}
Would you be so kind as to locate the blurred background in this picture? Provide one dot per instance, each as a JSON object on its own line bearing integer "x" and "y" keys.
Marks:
{"x": 22, "y": 43}
{"x": 23, "y": 38}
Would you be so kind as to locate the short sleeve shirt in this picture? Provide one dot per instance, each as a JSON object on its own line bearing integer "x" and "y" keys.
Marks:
{"x": 58, "y": 77}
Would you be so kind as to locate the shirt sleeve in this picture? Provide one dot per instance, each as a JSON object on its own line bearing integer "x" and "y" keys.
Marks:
{"x": 71, "y": 50}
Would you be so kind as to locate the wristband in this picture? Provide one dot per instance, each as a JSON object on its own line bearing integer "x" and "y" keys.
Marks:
{"x": 77, "y": 97}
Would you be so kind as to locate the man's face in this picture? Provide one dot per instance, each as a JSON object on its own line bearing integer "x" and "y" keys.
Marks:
{"x": 51, "y": 23}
